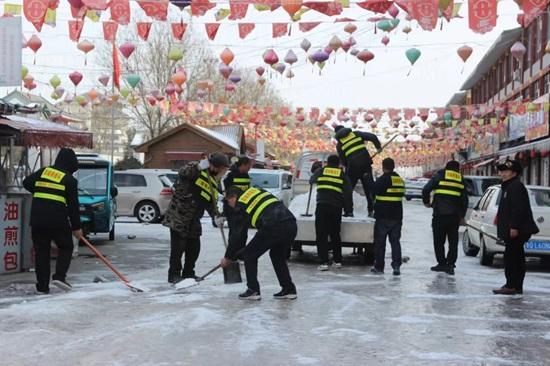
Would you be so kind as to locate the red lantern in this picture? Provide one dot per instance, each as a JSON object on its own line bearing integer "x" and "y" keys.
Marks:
{"x": 534, "y": 154}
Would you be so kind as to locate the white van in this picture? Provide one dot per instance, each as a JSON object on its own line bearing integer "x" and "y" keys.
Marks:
{"x": 303, "y": 170}
{"x": 277, "y": 182}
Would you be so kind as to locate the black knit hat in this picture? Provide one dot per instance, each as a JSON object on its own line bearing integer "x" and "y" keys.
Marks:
{"x": 218, "y": 160}
{"x": 512, "y": 165}
{"x": 338, "y": 128}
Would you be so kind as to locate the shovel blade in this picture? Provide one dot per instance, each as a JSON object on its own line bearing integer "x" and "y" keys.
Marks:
{"x": 232, "y": 273}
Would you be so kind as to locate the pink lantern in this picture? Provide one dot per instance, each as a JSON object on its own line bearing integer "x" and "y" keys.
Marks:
{"x": 104, "y": 79}
{"x": 85, "y": 46}
{"x": 270, "y": 57}
{"x": 127, "y": 49}
{"x": 385, "y": 40}
{"x": 75, "y": 77}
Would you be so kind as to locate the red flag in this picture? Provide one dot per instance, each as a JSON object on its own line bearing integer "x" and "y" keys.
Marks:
{"x": 211, "y": 30}
{"x": 327, "y": 8}
{"x": 377, "y": 6}
{"x": 109, "y": 30}
{"x": 75, "y": 29}
{"x": 78, "y": 12}
{"x": 532, "y": 9}
{"x": 314, "y": 114}
{"x": 409, "y": 113}
{"x": 116, "y": 67}
{"x": 425, "y": 12}
{"x": 238, "y": 9}
{"x": 95, "y": 4}
{"x": 307, "y": 26}
{"x": 143, "y": 29}
{"x": 482, "y": 15}
{"x": 120, "y": 11}
{"x": 245, "y": 29}
{"x": 200, "y": 7}
{"x": 279, "y": 29}
{"x": 406, "y": 5}
{"x": 157, "y": 10}
{"x": 178, "y": 30}
{"x": 35, "y": 12}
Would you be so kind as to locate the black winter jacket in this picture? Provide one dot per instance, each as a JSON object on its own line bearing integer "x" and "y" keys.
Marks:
{"x": 340, "y": 200}
{"x": 233, "y": 173}
{"x": 514, "y": 211}
{"x": 48, "y": 214}
{"x": 274, "y": 216}
{"x": 362, "y": 158}
{"x": 386, "y": 210}
{"x": 444, "y": 205}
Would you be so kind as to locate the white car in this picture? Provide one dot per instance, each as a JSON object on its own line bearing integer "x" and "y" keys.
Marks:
{"x": 277, "y": 182}
{"x": 479, "y": 236}
{"x": 144, "y": 193}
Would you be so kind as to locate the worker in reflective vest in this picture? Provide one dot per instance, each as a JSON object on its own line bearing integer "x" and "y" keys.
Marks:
{"x": 356, "y": 158}
{"x": 388, "y": 211}
{"x": 54, "y": 214}
{"x": 195, "y": 191}
{"x": 237, "y": 177}
{"x": 450, "y": 202}
{"x": 334, "y": 193}
{"x": 276, "y": 231}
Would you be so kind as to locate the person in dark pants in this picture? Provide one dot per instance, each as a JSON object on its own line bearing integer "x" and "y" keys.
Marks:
{"x": 276, "y": 231}
{"x": 450, "y": 203}
{"x": 389, "y": 190}
{"x": 237, "y": 177}
{"x": 356, "y": 158}
{"x": 54, "y": 214}
{"x": 515, "y": 225}
{"x": 194, "y": 192}
{"x": 333, "y": 193}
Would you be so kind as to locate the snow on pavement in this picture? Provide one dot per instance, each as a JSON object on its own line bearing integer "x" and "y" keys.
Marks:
{"x": 342, "y": 317}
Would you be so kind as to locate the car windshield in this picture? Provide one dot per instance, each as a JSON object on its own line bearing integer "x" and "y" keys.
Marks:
{"x": 264, "y": 180}
{"x": 489, "y": 182}
{"x": 541, "y": 197}
{"x": 168, "y": 180}
{"x": 92, "y": 181}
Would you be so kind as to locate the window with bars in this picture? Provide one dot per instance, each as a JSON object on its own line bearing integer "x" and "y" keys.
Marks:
{"x": 546, "y": 82}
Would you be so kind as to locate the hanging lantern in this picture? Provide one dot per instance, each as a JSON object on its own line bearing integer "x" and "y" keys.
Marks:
{"x": 260, "y": 70}
{"x": 225, "y": 70}
{"x": 305, "y": 45}
{"x": 350, "y": 28}
{"x": 518, "y": 50}
{"x": 86, "y": 47}
{"x": 290, "y": 57}
{"x": 407, "y": 29}
{"x": 104, "y": 80}
{"x": 385, "y": 40}
{"x": 279, "y": 67}
{"x": 34, "y": 43}
{"x": 291, "y": 6}
{"x": 55, "y": 81}
{"x": 365, "y": 56}
{"x": 335, "y": 43}
{"x": 175, "y": 54}
{"x": 125, "y": 92}
{"x": 234, "y": 78}
{"x": 24, "y": 71}
{"x": 75, "y": 77}
{"x": 393, "y": 11}
{"x": 92, "y": 94}
{"x": 413, "y": 54}
{"x": 133, "y": 80}
{"x": 270, "y": 57}
{"x": 227, "y": 56}
{"x": 320, "y": 56}
{"x": 59, "y": 91}
{"x": 179, "y": 78}
{"x": 229, "y": 87}
{"x": 170, "y": 89}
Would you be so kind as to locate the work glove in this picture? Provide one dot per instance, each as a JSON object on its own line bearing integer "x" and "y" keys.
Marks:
{"x": 204, "y": 164}
{"x": 219, "y": 220}
{"x": 348, "y": 214}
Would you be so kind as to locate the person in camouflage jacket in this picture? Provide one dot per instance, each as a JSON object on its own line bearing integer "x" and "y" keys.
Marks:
{"x": 192, "y": 196}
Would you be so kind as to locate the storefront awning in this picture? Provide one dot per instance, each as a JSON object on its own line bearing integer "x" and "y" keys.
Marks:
{"x": 34, "y": 132}
{"x": 538, "y": 145}
{"x": 483, "y": 163}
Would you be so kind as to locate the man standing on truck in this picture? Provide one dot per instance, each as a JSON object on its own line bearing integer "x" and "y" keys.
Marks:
{"x": 450, "y": 202}
{"x": 356, "y": 158}
{"x": 333, "y": 193}
{"x": 276, "y": 231}
{"x": 237, "y": 177}
{"x": 389, "y": 190}
{"x": 54, "y": 214}
{"x": 515, "y": 225}
{"x": 195, "y": 190}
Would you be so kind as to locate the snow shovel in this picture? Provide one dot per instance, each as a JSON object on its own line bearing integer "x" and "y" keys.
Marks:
{"x": 496, "y": 238}
{"x": 122, "y": 278}
{"x": 307, "y": 214}
{"x": 384, "y": 146}
{"x": 231, "y": 274}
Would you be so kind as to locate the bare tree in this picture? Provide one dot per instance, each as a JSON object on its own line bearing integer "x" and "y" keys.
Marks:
{"x": 151, "y": 62}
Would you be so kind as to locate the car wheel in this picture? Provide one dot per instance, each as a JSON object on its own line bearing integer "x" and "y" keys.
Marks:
{"x": 112, "y": 233}
{"x": 147, "y": 212}
{"x": 486, "y": 258}
{"x": 469, "y": 249}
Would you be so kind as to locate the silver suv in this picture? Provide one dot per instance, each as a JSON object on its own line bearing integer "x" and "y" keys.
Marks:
{"x": 144, "y": 193}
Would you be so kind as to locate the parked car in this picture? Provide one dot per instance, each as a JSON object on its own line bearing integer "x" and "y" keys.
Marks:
{"x": 300, "y": 183}
{"x": 413, "y": 188}
{"x": 482, "y": 223}
{"x": 476, "y": 186}
{"x": 144, "y": 193}
{"x": 96, "y": 195}
{"x": 278, "y": 182}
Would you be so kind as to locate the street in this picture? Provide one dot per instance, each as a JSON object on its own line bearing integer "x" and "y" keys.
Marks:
{"x": 341, "y": 317}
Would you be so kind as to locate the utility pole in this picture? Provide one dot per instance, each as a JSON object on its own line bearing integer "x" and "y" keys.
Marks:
{"x": 112, "y": 122}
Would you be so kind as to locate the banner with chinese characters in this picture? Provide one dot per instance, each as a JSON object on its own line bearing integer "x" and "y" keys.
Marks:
{"x": 10, "y": 234}
{"x": 537, "y": 123}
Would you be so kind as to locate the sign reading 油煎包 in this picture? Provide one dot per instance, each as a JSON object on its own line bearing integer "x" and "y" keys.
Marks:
{"x": 10, "y": 234}
{"x": 10, "y": 51}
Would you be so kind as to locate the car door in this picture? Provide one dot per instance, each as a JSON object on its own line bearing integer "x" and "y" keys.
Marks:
{"x": 286, "y": 188}
{"x": 130, "y": 190}
{"x": 476, "y": 219}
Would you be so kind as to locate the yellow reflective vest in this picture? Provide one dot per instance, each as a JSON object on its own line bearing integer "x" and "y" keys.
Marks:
{"x": 256, "y": 200}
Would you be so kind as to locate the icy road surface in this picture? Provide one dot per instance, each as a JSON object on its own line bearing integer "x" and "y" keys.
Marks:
{"x": 341, "y": 317}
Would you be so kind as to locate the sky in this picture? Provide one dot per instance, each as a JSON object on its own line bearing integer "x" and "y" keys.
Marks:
{"x": 436, "y": 76}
